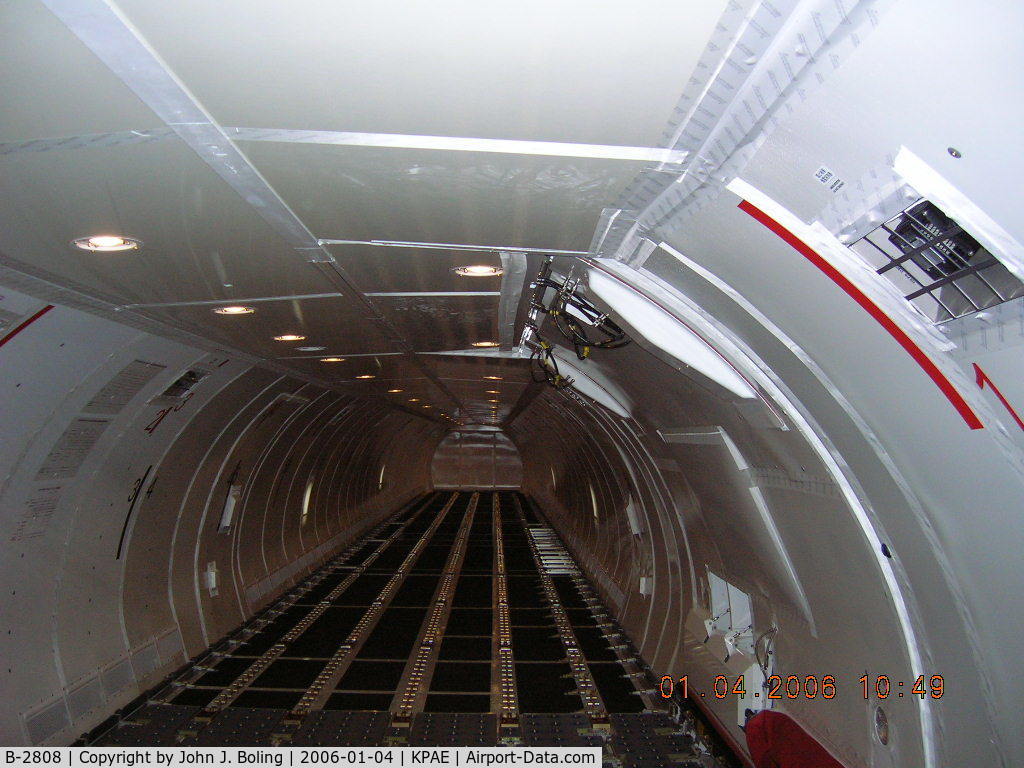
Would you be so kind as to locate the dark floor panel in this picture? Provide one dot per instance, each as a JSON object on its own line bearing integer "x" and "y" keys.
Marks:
{"x": 332, "y": 728}
{"x": 581, "y": 617}
{"x": 461, "y": 676}
{"x": 395, "y": 634}
{"x": 392, "y": 557}
{"x": 473, "y": 592}
{"x": 195, "y": 697}
{"x": 416, "y": 528}
{"x": 519, "y": 558}
{"x": 594, "y": 644}
{"x": 562, "y": 730}
{"x": 529, "y": 512}
{"x": 537, "y": 701}
{"x": 546, "y": 688}
{"x": 319, "y": 591}
{"x": 531, "y": 617}
{"x": 466, "y": 648}
{"x": 525, "y": 592}
{"x": 335, "y": 617}
{"x": 457, "y": 702}
{"x": 651, "y": 740}
{"x": 289, "y": 673}
{"x": 454, "y": 729}
{"x": 315, "y": 595}
{"x": 322, "y": 638}
{"x": 153, "y": 725}
{"x": 568, "y": 594}
{"x": 372, "y": 676}
{"x": 315, "y": 645}
{"x": 537, "y": 644}
{"x": 478, "y": 559}
{"x": 256, "y": 645}
{"x": 363, "y": 590}
{"x": 267, "y": 699}
{"x": 432, "y": 558}
{"x": 240, "y": 727}
{"x": 362, "y": 553}
{"x": 470, "y": 621}
{"x": 359, "y": 701}
{"x": 441, "y": 540}
{"x": 225, "y": 672}
{"x": 618, "y": 692}
{"x": 416, "y": 590}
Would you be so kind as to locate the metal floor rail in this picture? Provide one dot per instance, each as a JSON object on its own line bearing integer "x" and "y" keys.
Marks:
{"x": 461, "y": 621}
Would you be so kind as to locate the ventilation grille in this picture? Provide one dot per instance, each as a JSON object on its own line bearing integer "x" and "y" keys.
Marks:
{"x": 85, "y": 698}
{"x": 117, "y": 677}
{"x": 169, "y": 648}
{"x": 936, "y": 265}
{"x": 145, "y": 661}
{"x": 181, "y": 388}
{"x": 49, "y": 720}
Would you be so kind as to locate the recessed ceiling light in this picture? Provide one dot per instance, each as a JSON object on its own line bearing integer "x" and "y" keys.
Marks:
{"x": 366, "y": 376}
{"x": 478, "y": 270}
{"x": 493, "y": 378}
{"x": 289, "y": 337}
{"x": 310, "y": 349}
{"x": 485, "y": 343}
{"x": 492, "y": 401}
{"x": 426, "y": 406}
{"x": 106, "y": 243}
{"x": 393, "y": 391}
{"x": 493, "y": 392}
{"x": 332, "y": 359}
{"x": 414, "y": 399}
{"x": 234, "y": 309}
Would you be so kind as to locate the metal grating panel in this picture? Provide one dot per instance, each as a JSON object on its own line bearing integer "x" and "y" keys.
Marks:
{"x": 85, "y": 698}
{"x": 47, "y": 721}
{"x": 117, "y": 677}
{"x": 169, "y": 648}
{"x": 145, "y": 660}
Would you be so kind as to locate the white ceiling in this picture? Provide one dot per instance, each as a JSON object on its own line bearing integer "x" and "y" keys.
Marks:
{"x": 81, "y": 154}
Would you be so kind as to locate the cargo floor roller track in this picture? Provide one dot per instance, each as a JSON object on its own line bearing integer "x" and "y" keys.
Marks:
{"x": 461, "y": 621}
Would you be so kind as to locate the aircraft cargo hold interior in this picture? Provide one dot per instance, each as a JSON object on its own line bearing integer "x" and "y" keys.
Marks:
{"x": 626, "y": 383}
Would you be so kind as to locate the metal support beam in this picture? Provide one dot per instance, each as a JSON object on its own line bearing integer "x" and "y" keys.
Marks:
{"x": 593, "y": 705}
{"x": 504, "y": 698}
{"x": 412, "y": 690}
{"x": 513, "y": 267}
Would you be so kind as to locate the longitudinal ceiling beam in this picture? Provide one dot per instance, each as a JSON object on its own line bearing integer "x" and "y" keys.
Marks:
{"x": 453, "y": 247}
{"x": 111, "y": 37}
{"x": 461, "y": 144}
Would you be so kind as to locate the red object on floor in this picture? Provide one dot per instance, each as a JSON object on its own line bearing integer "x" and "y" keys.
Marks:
{"x": 776, "y": 741}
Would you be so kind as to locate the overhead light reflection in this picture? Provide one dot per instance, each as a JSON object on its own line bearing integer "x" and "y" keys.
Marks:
{"x": 106, "y": 243}
{"x": 478, "y": 270}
